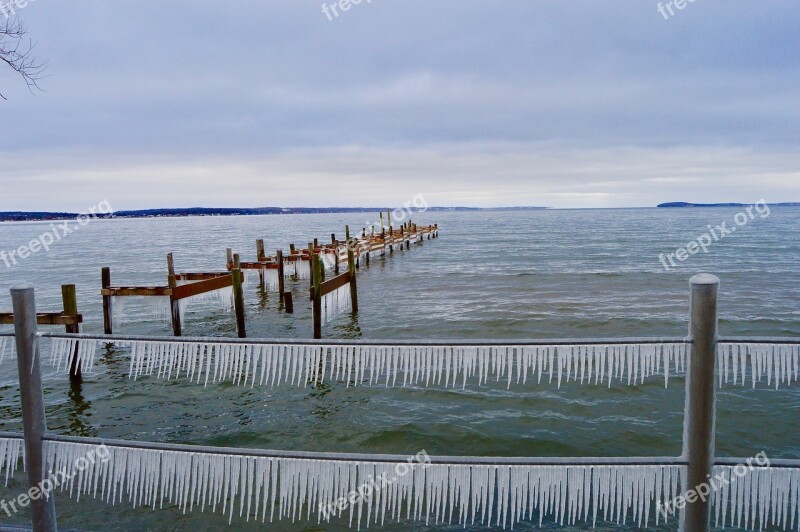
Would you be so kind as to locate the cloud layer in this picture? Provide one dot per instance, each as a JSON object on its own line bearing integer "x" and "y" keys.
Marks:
{"x": 567, "y": 104}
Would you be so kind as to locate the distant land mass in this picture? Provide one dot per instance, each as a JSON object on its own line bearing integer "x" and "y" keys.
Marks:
{"x": 684, "y": 204}
{"x": 19, "y": 216}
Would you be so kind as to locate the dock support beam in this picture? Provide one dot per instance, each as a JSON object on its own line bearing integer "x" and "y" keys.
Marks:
{"x": 238, "y": 297}
{"x": 43, "y": 508}
{"x": 174, "y": 304}
{"x": 316, "y": 297}
{"x": 260, "y": 256}
{"x": 699, "y": 424}
{"x": 351, "y": 267}
{"x": 281, "y": 279}
{"x": 107, "y": 310}
{"x": 69, "y": 297}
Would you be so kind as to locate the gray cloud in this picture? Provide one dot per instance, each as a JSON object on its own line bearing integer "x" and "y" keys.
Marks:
{"x": 480, "y": 103}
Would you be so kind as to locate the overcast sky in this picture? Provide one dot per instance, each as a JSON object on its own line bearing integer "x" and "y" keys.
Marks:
{"x": 269, "y": 103}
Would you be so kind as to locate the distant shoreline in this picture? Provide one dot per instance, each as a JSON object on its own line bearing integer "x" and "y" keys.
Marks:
{"x": 683, "y": 204}
{"x": 20, "y": 216}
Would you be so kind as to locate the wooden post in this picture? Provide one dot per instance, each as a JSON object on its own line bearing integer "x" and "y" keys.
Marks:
{"x": 238, "y": 297}
{"x": 174, "y": 303}
{"x": 229, "y": 258}
{"x": 105, "y": 274}
{"x": 699, "y": 423}
{"x": 353, "y": 289}
{"x": 43, "y": 509}
{"x": 316, "y": 296}
{"x": 335, "y": 257}
{"x": 316, "y": 243}
{"x": 291, "y": 248}
{"x": 260, "y": 255}
{"x": 310, "y": 265}
{"x": 287, "y": 302}
{"x": 281, "y": 280}
{"x": 70, "y": 299}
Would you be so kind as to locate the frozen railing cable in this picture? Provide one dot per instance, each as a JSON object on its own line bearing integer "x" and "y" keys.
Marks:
{"x": 12, "y": 450}
{"x": 280, "y": 362}
{"x": 276, "y": 488}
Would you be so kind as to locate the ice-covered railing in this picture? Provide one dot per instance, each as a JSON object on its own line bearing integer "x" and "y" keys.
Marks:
{"x": 502, "y": 491}
{"x": 773, "y": 361}
{"x": 275, "y": 485}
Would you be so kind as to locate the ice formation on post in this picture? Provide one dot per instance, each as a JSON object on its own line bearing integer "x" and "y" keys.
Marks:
{"x": 272, "y": 489}
{"x": 11, "y": 450}
{"x": 271, "y": 278}
{"x": 778, "y": 363}
{"x": 756, "y": 498}
{"x": 6, "y": 347}
{"x": 221, "y": 299}
{"x": 302, "y": 269}
{"x": 336, "y": 302}
{"x": 158, "y": 307}
{"x": 406, "y": 365}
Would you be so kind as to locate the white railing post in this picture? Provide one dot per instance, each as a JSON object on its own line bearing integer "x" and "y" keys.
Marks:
{"x": 32, "y": 398}
{"x": 699, "y": 421}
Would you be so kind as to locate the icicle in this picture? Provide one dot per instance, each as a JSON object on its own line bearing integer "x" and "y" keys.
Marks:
{"x": 222, "y": 299}
{"x": 335, "y": 303}
{"x": 157, "y": 306}
{"x": 271, "y": 278}
{"x": 11, "y": 450}
{"x": 302, "y": 269}
{"x": 6, "y": 347}
{"x": 757, "y": 497}
{"x": 777, "y": 364}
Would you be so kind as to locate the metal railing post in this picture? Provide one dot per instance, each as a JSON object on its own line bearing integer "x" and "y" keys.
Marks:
{"x": 32, "y": 398}
{"x": 699, "y": 414}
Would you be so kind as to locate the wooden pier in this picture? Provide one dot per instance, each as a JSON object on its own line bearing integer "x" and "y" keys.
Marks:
{"x": 342, "y": 258}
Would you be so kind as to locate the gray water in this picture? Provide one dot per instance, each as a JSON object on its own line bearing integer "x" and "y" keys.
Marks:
{"x": 538, "y": 274}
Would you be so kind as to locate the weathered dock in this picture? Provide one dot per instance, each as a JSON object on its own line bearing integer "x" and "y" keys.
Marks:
{"x": 340, "y": 257}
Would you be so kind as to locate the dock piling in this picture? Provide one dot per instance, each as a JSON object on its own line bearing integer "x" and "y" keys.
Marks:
{"x": 316, "y": 296}
{"x": 34, "y": 425}
{"x": 238, "y": 297}
{"x": 173, "y": 302}
{"x": 699, "y": 424}
{"x": 105, "y": 274}
{"x": 69, "y": 297}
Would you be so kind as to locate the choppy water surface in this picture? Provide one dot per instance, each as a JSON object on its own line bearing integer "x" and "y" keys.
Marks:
{"x": 541, "y": 274}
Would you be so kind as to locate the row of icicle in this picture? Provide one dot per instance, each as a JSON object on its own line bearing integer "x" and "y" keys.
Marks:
{"x": 365, "y": 493}
{"x": 310, "y": 364}
{"x": 270, "y": 489}
{"x": 307, "y": 364}
{"x": 754, "y": 497}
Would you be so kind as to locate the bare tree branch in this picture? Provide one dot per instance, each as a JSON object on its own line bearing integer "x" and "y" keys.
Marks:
{"x": 17, "y": 52}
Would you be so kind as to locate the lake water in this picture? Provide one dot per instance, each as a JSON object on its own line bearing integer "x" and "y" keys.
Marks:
{"x": 534, "y": 274}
